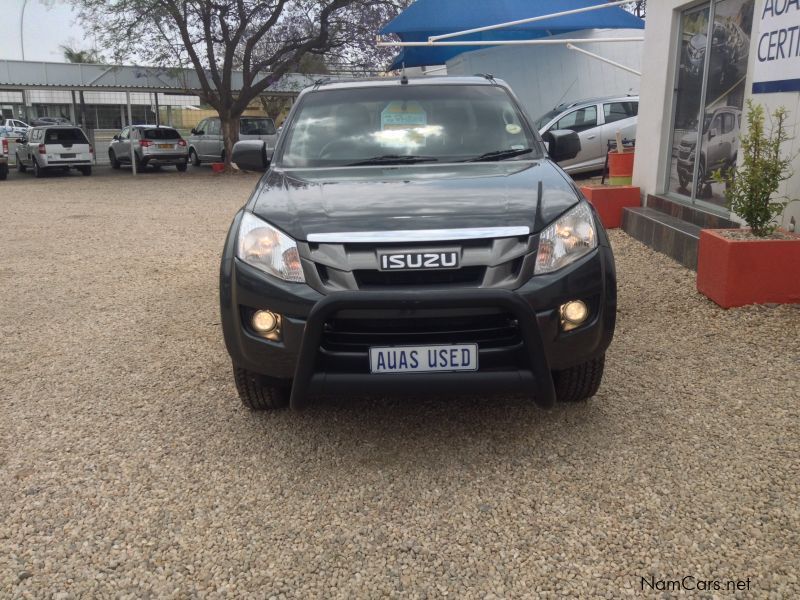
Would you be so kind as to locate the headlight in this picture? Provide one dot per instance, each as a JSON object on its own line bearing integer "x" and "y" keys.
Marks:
{"x": 566, "y": 240}
{"x": 264, "y": 247}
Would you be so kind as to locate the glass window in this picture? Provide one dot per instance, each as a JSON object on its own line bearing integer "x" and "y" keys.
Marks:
{"x": 256, "y": 126}
{"x": 212, "y": 127}
{"x": 617, "y": 111}
{"x": 126, "y": 133}
{"x": 579, "y": 120}
{"x": 70, "y": 135}
{"x": 436, "y": 122}
{"x": 162, "y": 133}
{"x": 201, "y": 126}
{"x": 546, "y": 118}
{"x": 727, "y": 122}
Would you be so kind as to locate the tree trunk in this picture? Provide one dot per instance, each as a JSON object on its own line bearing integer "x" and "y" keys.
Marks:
{"x": 229, "y": 125}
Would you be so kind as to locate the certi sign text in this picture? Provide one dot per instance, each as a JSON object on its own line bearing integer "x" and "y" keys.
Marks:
{"x": 777, "y": 65}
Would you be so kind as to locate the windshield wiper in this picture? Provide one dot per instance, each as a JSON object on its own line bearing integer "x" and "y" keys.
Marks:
{"x": 501, "y": 154}
{"x": 388, "y": 159}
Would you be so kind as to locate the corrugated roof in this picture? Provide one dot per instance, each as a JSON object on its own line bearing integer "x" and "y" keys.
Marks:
{"x": 51, "y": 75}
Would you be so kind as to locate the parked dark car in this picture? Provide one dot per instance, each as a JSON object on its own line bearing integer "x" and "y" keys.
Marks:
{"x": 415, "y": 236}
{"x": 153, "y": 145}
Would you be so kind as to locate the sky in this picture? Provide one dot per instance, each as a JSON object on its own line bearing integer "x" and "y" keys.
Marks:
{"x": 47, "y": 24}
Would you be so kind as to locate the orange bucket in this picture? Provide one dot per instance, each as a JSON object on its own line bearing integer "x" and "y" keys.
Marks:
{"x": 620, "y": 167}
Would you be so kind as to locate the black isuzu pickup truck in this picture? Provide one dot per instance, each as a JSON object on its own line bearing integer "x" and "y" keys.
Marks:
{"x": 415, "y": 236}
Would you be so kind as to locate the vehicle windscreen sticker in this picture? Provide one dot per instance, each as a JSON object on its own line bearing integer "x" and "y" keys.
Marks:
{"x": 404, "y": 123}
{"x": 513, "y": 128}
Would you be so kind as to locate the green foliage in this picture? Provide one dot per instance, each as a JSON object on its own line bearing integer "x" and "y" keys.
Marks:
{"x": 750, "y": 187}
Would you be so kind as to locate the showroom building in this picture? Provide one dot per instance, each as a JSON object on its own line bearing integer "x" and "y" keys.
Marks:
{"x": 702, "y": 62}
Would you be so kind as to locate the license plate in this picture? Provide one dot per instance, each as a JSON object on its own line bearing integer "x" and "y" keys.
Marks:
{"x": 423, "y": 359}
{"x": 67, "y": 156}
{"x": 165, "y": 146}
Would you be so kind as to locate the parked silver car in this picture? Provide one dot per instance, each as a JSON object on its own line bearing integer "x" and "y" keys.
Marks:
{"x": 152, "y": 145}
{"x": 719, "y": 148}
{"x": 206, "y": 145}
{"x": 596, "y": 121}
{"x": 55, "y": 147}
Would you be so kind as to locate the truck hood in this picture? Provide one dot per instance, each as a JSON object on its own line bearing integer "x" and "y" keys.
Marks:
{"x": 301, "y": 202}
{"x": 689, "y": 140}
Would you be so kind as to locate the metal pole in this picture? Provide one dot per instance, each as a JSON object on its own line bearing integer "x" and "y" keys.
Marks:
{"x": 130, "y": 137}
{"x": 536, "y": 42}
{"x": 605, "y": 60}
{"x": 21, "y": 35}
{"x": 563, "y": 13}
{"x": 158, "y": 116}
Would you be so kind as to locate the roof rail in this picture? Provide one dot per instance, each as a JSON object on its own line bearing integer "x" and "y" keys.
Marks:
{"x": 486, "y": 76}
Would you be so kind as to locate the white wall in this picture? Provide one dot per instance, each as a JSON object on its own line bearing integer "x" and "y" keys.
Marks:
{"x": 655, "y": 110}
{"x": 544, "y": 76}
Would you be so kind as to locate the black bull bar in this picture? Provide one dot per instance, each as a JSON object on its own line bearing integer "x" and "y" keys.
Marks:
{"x": 537, "y": 380}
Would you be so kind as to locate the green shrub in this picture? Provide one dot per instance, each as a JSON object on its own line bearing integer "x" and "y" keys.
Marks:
{"x": 750, "y": 187}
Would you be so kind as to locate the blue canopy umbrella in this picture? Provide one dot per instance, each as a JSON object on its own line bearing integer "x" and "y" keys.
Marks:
{"x": 425, "y": 18}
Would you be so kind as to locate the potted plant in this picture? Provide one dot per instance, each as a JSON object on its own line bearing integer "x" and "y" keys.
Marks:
{"x": 761, "y": 263}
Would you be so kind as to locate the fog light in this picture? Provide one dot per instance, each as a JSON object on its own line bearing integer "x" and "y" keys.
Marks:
{"x": 267, "y": 324}
{"x": 573, "y": 313}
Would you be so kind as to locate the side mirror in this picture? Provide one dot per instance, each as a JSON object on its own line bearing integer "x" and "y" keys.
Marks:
{"x": 194, "y": 131}
{"x": 562, "y": 144}
{"x": 250, "y": 155}
{"x": 713, "y": 133}
{"x": 22, "y": 140}
{"x": 116, "y": 138}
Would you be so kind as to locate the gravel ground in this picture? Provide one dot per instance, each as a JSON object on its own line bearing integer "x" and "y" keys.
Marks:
{"x": 129, "y": 469}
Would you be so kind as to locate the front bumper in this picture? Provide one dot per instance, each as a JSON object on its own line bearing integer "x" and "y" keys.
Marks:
{"x": 524, "y": 365}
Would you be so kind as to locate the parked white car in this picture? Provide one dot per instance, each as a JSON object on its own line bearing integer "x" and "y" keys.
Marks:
{"x": 596, "y": 121}
{"x": 55, "y": 147}
{"x": 4, "y": 137}
{"x": 16, "y": 126}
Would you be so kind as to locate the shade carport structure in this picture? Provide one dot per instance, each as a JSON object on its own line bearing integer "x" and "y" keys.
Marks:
{"x": 436, "y": 31}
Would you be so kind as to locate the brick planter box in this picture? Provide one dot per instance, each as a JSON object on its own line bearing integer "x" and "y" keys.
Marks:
{"x": 609, "y": 200}
{"x": 739, "y": 272}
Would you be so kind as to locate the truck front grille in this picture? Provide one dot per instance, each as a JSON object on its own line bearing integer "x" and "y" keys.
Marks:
{"x": 370, "y": 279}
{"x": 488, "y": 330}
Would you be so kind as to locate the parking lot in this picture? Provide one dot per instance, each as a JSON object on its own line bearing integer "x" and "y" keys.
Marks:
{"x": 128, "y": 467}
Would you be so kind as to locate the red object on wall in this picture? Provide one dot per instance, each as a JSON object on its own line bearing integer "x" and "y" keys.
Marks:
{"x": 609, "y": 200}
{"x": 738, "y": 272}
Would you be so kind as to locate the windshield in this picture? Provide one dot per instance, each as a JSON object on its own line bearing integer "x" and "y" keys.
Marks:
{"x": 545, "y": 119}
{"x": 407, "y": 123}
{"x": 251, "y": 126}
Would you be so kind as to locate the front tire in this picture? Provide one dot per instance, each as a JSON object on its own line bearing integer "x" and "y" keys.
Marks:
{"x": 112, "y": 157}
{"x": 256, "y": 394}
{"x": 194, "y": 158}
{"x": 581, "y": 382}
